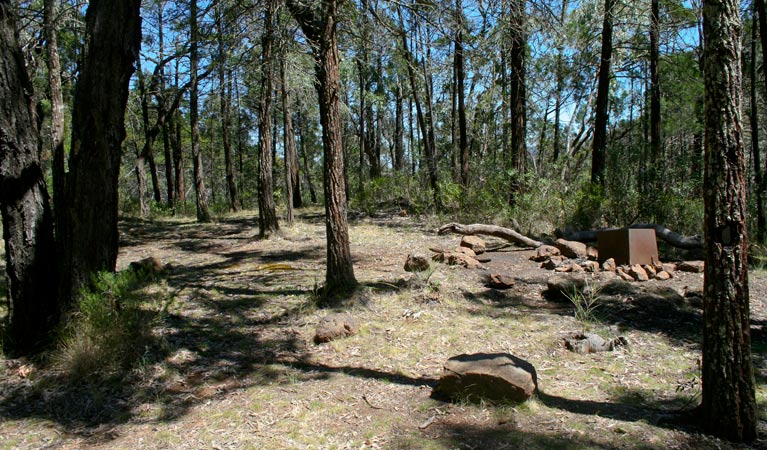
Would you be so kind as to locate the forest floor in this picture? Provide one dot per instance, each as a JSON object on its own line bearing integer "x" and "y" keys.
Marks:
{"x": 231, "y": 362}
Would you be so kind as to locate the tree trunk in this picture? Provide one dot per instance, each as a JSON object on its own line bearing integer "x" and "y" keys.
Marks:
{"x": 289, "y": 144}
{"x": 463, "y": 141}
{"x": 603, "y": 93}
{"x": 321, "y": 30}
{"x": 399, "y": 128}
{"x": 728, "y": 400}
{"x": 201, "y": 195}
{"x": 34, "y": 309}
{"x": 761, "y": 219}
{"x": 178, "y": 152}
{"x": 267, "y": 215}
{"x": 656, "y": 148}
{"x": 490, "y": 230}
{"x": 166, "y": 128}
{"x": 560, "y": 83}
{"x": 305, "y": 155}
{"x": 57, "y": 105}
{"x": 225, "y": 102}
{"x": 518, "y": 97}
{"x": 90, "y": 238}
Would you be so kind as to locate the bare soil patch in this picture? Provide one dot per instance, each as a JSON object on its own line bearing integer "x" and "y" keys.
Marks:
{"x": 232, "y": 363}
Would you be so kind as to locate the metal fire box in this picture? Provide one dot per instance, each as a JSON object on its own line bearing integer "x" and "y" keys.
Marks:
{"x": 628, "y": 246}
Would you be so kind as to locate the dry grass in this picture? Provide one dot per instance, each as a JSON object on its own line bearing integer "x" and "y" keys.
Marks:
{"x": 231, "y": 363}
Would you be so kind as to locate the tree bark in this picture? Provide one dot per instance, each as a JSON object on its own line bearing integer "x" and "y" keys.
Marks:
{"x": 34, "y": 308}
{"x": 267, "y": 215}
{"x": 518, "y": 97}
{"x": 57, "y": 105}
{"x": 302, "y": 135}
{"x": 89, "y": 235}
{"x": 292, "y": 184}
{"x": 320, "y": 28}
{"x": 728, "y": 399}
{"x": 490, "y": 230}
{"x": 201, "y": 195}
{"x": 463, "y": 141}
{"x": 599, "y": 147}
{"x": 761, "y": 218}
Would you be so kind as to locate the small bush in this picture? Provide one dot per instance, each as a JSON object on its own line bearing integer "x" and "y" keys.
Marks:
{"x": 109, "y": 329}
{"x": 586, "y": 302}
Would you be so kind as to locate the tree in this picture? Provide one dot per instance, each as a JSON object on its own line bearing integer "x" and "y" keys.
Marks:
{"x": 460, "y": 75}
{"x": 518, "y": 95}
{"x": 33, "y": 305}
{"x": 728, "y": 401}
{"x": 89, "y": 238}
{"x": 267, "y": 215}
{"x": 599, "y": 145}
{"x": 225, "y": 101}
{"x": 57, "y": 101}
{"x": 201, "y": 195}
{"x": 319, "y": 24}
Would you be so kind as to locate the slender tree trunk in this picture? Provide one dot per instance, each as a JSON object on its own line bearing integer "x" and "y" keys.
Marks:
{"x": 34, "y": 308}
{"x": 226, "y": 121}
{"x": 656, "y": 143}
{"x": 267, "y": 215}
{"x": 729, "y": 403}
{"x": 518, "y": 98}
{"x": 322, "y": 32}
{"x": 463, "y": 141}
{"x": 141, "y": 155}
{"x": 57, "y": 105}
{"x": 178, "y": 152}
{"x": 289, "y": 144}
{"x": 399, "y": 125}
{"x": 305, "y": 154}
{"x": 89, "y": 235}
{"x": 166, "y": 129}
{"x": 363, "y": 110}
{"x": 201, "y": 195}
{"x": 603, "y": 93}
{"x": 560, "y": 82}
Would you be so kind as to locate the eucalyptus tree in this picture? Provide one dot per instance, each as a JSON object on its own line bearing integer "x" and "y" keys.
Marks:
{"x": 201, "y": 195}
{"x": 267, "y": 215}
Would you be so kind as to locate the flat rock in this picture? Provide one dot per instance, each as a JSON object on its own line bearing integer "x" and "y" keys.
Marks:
{"x": 475, "y": 243}
{"x": 691, "y": 266}
{"x": 466, "y": 251}
{"x": 493, "y": 377}
{"x": 623, "y": 275}
{"x": 553, "y": 262}
{"x": 592, "y": 343}
{"x": 416, "y": 263}
{"x": 558, "y": 287}
{"x": 544, "y": 252}
{"x": 500, "y": 281}
{"x": 609, "y": 265}
{"x": 662, "y": 275}
{"x": 335, "y": 326}
{"x": 571, "y": 249}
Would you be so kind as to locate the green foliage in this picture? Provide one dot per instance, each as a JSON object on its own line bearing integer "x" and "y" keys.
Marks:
{"x": 109, "y": 330}
{"x": 586, "y": 302}
{"x": 395, "y": 190}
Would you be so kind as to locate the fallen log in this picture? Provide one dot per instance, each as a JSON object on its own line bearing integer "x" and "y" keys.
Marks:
{"x": 490, "y": 230}
{"x": 672, "y": 238}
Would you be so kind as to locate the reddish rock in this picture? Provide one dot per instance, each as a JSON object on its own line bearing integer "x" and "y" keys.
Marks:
{"x": 336, "y": 326}
{"x": 500, "y": 281}
{"x": 609, "y": 265}
{"x": 465, "y": 251}
{"x": 691, "y": 266}
{"x": 592, "y": 253}
{"x": 544, "y": 252}
{"x": 662, "y": 275}
{"x": 638, "y": 273}
{"x": 591, "y": 266}
{"x": 475, "y": 243}
{"x": 553, "y": 262}
{"x": 494, "y": 377}
{"x": 651, "y": 272}
{"x": 416, "y": 263}
{"x": 623, "y": 275}
{"x": 571, "y": 249}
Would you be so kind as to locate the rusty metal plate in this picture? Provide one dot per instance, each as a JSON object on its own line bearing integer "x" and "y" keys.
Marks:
{"x": 628, "y": 246}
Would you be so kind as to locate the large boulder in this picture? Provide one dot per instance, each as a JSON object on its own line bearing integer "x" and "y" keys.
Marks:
{"x": 493, "y": 377}
{"x": 475, "y": 243}
{"x": 571, "y": 249}
{"x": 334, "y": 326}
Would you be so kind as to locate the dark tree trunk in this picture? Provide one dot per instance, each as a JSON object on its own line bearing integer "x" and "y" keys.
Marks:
{"x": 34, "y": 308}
{"x": 178, "y": 152}
{"x": 656, "y": 148}
{"x": 201, "y": 195}
{"x": 463, "y": 141}
{"x": 729, "y": 404}
{"x": 363, "y": 110}
{"x": 90, "y": 238}
{"x": 761, "y": 219}
{"x": 399, "y": 129}
{"x": 560, "y": 76}
{"x": 57, "y": 105}
{"x": 320, "y": 28}
{"x": 518, "y": 97}
{"x": 599, "y": 148}
{"x": 166, "y": 128}
{"x": 267, "y": 215}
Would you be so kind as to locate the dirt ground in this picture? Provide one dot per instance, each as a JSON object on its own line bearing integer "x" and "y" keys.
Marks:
{"x": 231, "y": 363}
